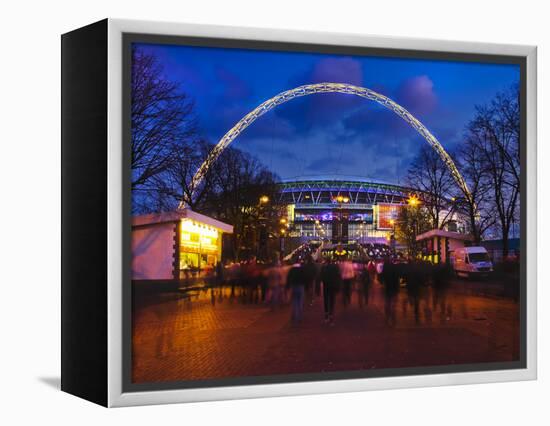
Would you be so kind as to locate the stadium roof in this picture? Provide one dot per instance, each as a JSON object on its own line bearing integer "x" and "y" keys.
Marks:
{"x": 337, "y": 177}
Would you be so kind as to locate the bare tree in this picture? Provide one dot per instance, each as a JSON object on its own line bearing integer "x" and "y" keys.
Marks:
{"x": 432, "y": 177}
{"x": 495, "y": 133}
{"x": 161, "y": 119}
{"x": 175, "y": 183}
{"x": 499, "y": 122}
{"x": 478, "y": 207}
{"x": 240, "y": 181}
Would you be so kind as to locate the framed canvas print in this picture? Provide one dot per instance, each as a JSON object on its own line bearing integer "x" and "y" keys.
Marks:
{"x": 251, "y": 213}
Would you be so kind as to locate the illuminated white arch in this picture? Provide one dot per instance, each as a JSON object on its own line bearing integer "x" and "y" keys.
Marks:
{"x": 311, "y": 89}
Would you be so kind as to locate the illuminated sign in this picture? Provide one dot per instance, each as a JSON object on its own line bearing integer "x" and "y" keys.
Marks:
{"x": 366, "y": 217}
{"x": 196, "y": 236}
{"x": 387, "y": 215}
{"x": 361, "y": 217}
{"x": 290, "y": 212}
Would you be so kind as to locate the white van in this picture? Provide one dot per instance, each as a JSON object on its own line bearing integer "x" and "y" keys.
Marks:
{"x": 472, "y": 261}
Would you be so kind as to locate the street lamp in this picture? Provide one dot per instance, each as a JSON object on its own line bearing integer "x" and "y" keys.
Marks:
{"x": 392, "y": 241}
{"x": 413, "y": 200}
{"x": 282, "y": 242}
{"x": 262, "y": 248}
{"x": 340, "y": 199}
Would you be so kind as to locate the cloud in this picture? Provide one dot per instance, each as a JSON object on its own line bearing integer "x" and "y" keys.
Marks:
{"x": 322, "y": 152}
{"x": 329, "y": 133}
{"x": 337, "y": 70}
{"x": 371, "y": 120}
{"x": 267, "y": 126}
{"x": 269, "y": 149}
{"x": 374, "y": 120}
{"x": 321, "y": 110}
{"x": 319, "y": 165}
{"x": 417, "y": 95}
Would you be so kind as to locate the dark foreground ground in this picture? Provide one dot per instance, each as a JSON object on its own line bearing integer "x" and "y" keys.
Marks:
{"x": 211, "y": 333}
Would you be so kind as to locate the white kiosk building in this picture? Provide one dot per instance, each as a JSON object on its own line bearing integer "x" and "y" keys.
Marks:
{"x": 165, "y": 244}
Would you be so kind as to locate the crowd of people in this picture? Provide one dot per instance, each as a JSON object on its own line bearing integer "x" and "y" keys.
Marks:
{"x": 300, "y": 283}
{"x": 414, "y": 275}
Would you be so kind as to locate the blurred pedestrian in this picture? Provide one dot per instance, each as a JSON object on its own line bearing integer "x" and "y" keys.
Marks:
{"x": 252, "y": 274}
{"x": 390, "y": 279}
{"x": 318, "y": 267}
{"x": 380, "y": 268}
{"x": 365, "y": 284}
{"x": 371, "y": 269}
{"x": 330, "y": 276}
{"x": 415, "y": 280}
{"x": 440, "y": 284}
{"x": 275, "y": 282}
{"x": 295, "y": 282}
{"x": 310, "y": 272}
{"x": 262, "y": 282}
{"x": 220, "y": 274}
{"x": 348, "y": 274}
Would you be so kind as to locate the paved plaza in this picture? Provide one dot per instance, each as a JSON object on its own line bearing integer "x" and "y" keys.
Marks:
{"x": 217, "y": 333}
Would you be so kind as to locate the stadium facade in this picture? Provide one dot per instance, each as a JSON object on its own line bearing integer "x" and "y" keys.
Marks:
{"x": 342, "y": 209}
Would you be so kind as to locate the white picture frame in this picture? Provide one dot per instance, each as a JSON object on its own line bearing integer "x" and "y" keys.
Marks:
{"x": 116, "y": 394}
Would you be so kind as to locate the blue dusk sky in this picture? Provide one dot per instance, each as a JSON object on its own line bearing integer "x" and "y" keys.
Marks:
{"x": 330, "y": 134}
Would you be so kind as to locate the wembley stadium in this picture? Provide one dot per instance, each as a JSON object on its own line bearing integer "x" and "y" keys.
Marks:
{"x": 343, "y": 208}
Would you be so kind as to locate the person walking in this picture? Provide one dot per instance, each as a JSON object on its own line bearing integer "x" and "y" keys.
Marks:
{"x": 365, "y": 285}
{"x": 440, "y": 284}
{"x": 371, "y": 269}
{"x": 275, "y": 282}
{"x": 331, "y": 278}
{"x": 310, "y": 273}
{"x": 415, "y": 280}
{"x": 318, "y": 267}
{"x": 220, "y": 274}
{"x": 390, "y": 278}
{"x": 295, "y": 282}
{"x": 348, "y": 274}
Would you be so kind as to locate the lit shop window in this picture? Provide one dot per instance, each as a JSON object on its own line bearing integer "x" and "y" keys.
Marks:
{"x": 194, "y": 234}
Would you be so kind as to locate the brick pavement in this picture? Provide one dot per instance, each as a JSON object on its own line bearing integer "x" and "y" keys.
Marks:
{"x": 215, "y": 335}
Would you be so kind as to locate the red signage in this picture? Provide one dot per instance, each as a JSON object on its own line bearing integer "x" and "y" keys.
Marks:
{"x": 387, "y": 215}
